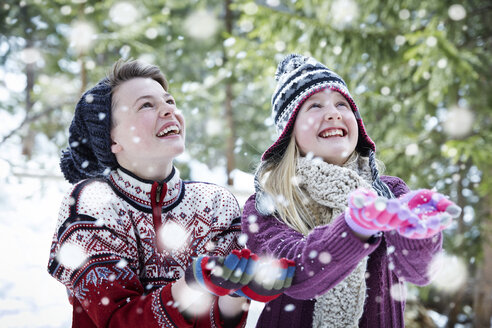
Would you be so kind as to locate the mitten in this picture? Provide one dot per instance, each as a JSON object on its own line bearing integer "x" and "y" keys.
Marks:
{"x": 271, "y": 280}
{"x": 222, "y": 275}
{"x": 367, "y": 213}
{"x": 431, "y": 213}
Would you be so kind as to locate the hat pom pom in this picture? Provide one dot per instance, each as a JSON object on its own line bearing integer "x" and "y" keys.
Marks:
{"x": 288, "y": 64}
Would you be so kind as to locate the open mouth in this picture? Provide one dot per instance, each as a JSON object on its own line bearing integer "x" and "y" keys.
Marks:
{"x": 332, "y": 133}
{"x": 169, "y": 131}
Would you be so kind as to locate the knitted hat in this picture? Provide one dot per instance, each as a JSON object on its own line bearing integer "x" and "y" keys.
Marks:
{"x": 298, "y": 78}
{"x": 88, "y": 154}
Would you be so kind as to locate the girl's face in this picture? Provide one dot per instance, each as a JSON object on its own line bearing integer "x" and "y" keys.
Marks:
{"x": 148, "y": 129}
{"x": 326, "y": 127}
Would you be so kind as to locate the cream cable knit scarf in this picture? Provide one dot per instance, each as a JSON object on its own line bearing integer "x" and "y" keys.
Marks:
{"x": 328, "y": 187}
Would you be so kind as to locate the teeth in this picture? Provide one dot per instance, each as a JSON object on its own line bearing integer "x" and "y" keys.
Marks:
{"x": 173, "y": 129}
{"x": 331, "y": 133}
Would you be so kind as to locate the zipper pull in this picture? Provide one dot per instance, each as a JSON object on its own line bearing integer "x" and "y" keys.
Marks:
{"x": 158, "y": 193}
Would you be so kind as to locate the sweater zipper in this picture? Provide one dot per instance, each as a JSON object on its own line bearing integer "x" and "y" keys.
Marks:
{"x": 157, "y": 195}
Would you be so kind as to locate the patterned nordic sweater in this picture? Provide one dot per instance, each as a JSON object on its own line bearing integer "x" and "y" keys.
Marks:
{"x": 392, "y": 261}
{"x": 117, "y": 269}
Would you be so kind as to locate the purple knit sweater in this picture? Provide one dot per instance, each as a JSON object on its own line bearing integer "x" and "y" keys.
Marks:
{"x": 391, "y": 258}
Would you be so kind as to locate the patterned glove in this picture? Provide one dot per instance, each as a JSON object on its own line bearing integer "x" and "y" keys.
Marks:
{"x": 271, "y": 280}
{"x": 416, "y": 215}
{"x": 432, "y": 212}
{"x": 367, "y": 213}
{"x": 222, "y": 276}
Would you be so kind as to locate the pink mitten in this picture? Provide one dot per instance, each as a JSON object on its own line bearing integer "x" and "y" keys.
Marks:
{"x": 368, "y": 213}
{"x": 432, "y": 212}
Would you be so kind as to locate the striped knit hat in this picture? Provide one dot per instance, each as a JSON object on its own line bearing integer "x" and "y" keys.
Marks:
{"x": 298, "y": 78}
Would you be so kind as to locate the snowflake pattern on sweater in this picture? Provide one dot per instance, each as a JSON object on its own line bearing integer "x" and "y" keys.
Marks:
{"x": 117, "y": 267}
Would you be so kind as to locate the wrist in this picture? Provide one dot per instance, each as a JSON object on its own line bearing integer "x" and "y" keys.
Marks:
{"x": 186, "y": 297}
{"x": 231, "y": 307}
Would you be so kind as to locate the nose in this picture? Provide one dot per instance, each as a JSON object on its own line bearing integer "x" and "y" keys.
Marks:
{"x": 166, "y": 110}
{"x": 332, "y": 114}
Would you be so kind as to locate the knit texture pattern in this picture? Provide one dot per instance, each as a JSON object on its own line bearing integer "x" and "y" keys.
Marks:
{"x": 110, "y": 223}
{"x": 328, "y": 187}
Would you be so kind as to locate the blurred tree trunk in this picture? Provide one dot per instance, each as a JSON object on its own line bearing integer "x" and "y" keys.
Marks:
{"x": 231, "y": 128}
{"x": 28, "y": 140}
{"x": 482, "y": 302}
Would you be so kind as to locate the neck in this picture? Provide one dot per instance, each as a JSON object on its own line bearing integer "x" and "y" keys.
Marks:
{"x": 148, "y": 172}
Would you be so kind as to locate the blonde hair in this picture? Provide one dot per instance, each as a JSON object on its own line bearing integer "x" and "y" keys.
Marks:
{"x": 278, "y": 179}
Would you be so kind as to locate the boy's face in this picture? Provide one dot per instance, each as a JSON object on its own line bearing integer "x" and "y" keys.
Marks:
{"x": 326, "y": 127}
{"x": 148, "y": 130}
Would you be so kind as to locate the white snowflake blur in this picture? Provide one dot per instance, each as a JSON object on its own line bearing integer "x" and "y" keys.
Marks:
{"x": 201, "y": 24}
{"x": 343, "y": 13}
{"x": 71, "y": 255}
{"x": 456, "y": 12}
{"x": 458, "y": 122}
{"x": 173, "y": 236}
{"x": 82, "y": 35}
{"x": 448, "y": 272}
{"x": 123, "y": 13}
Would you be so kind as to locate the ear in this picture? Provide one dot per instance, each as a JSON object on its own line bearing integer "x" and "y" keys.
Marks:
{"x": 116, "y": 147}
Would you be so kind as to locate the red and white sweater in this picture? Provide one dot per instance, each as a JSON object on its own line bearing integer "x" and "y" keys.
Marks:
{"x": 117, "y": 269}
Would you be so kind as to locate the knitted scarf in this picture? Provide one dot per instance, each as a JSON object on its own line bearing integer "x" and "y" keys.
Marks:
{"x": 328, "y": 187}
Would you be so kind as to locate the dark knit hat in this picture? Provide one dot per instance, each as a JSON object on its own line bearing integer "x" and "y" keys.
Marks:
{"x": 298, "y": 78}
{"x": 88, "y": 154}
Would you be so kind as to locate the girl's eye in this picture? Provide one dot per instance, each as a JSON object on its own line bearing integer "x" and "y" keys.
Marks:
{"x": 171, "y": 101}
{"x": 342, "y": 104}
{"x": 315, "y": 105}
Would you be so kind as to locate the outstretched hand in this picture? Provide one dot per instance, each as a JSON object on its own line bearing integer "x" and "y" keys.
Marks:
{"x": 416, "y": 215}
{"x": 222, "y": 275}
{"x": 271, "y": 279}
{"x": 432, "y": 212}
{"x": 241, "y": 273}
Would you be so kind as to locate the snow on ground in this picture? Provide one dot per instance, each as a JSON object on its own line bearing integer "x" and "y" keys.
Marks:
{"x": 29, "y": 296}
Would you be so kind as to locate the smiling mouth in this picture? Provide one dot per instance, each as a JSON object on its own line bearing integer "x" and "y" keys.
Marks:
{"x": 332, "y": 133}
{"x": 169, "y": 131}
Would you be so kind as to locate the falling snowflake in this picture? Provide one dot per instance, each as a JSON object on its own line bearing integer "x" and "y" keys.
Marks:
{"x": 343, "y": 13}
{"x": 289, "y": 308}
{"x": 173, "y": 236}
{"x": 81, "y": 36}
{"x": 458, "y": 122}
{"x": 213, "y": 127}
{"x": 242, "y": 239}
{"x": 104, "y": 301}
{"x": 201, "y": 24}
{"x": 457, "y": 12}
{"x": 448, "y": 272}
{"x": 71, "y": 255}
{"x": 324, "y": 257}
{"x": 412, "y": 149}
{"x": 30, "y": 55}
{"x": 399, "y": 292}
{"x": 123, "y": 13}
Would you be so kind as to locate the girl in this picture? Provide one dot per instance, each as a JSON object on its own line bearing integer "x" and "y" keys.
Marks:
{"x": 130, "y": 227}
{"x": 320, "y": 201}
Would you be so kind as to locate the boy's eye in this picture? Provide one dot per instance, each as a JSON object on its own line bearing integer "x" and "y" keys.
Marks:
{"x": 146, "y": 105}
{"x": 342, "y": 104}
{"x": 171, "y": 101}
{"x": 315, "y": 105}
